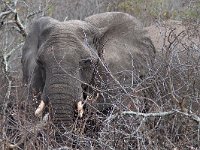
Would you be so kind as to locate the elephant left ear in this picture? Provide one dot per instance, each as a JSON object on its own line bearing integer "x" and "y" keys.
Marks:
{"x": 122, "y": 38}
{"x": 121, "y": 28}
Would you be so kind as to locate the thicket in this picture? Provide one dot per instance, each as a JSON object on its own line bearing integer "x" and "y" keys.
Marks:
{"x": 165, "y": 111}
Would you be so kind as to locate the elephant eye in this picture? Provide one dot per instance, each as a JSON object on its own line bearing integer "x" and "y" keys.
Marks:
{"x": 39, "y": 62}
{"x": 84, "y": 63}
{"x": 87, "y": 60}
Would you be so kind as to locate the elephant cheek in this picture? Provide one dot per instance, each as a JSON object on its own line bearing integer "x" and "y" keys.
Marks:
{"x": 40, "y": 109}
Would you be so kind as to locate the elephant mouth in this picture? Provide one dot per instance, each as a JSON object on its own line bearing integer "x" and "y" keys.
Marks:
{"x": 79, "y": 108}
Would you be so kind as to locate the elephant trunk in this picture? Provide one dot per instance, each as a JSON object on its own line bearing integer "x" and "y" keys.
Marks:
{"x": 63, "y": 92}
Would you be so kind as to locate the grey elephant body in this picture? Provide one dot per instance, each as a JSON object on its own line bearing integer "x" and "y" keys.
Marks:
{"x": 63, "y": 58}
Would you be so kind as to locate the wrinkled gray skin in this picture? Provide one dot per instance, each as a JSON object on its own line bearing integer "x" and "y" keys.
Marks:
{"x": 58, "y": 57}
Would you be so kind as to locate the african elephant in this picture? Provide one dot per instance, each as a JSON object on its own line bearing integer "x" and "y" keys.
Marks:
{"x": 64, "y": 59}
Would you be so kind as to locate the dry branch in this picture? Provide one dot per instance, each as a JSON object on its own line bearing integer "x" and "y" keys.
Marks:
{"x": 17, "y": 21}
{"x": 2, "y": 14}
{"x": 20, "y": 25}
{"x": 27, "y": 134}
{"x": 156, "y": 114}
{"x": 162, "y": 114}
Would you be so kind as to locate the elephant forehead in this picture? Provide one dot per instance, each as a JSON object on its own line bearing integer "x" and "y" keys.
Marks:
{"x": 72, "y": 26}
{"x": 75, "y": 24}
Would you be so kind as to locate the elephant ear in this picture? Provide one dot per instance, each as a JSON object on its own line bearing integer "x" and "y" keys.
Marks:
{"x": 123, "y": 41}
{"x": 38, "y": 33}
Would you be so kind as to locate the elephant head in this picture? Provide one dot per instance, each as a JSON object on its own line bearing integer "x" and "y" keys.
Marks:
{"x": 60, "y": 58}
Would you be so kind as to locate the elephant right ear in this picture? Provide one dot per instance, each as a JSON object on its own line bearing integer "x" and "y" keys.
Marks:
{"x": 29, "y": 52}
{"x": 39, "y": 32}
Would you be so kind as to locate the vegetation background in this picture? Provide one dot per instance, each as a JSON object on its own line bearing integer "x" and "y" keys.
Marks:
{"x": 171, "y": 119}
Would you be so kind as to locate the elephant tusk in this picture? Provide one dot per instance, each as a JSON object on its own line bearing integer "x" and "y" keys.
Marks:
{"x": 40, "y": 108}
{"x": 80, "y": 109}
